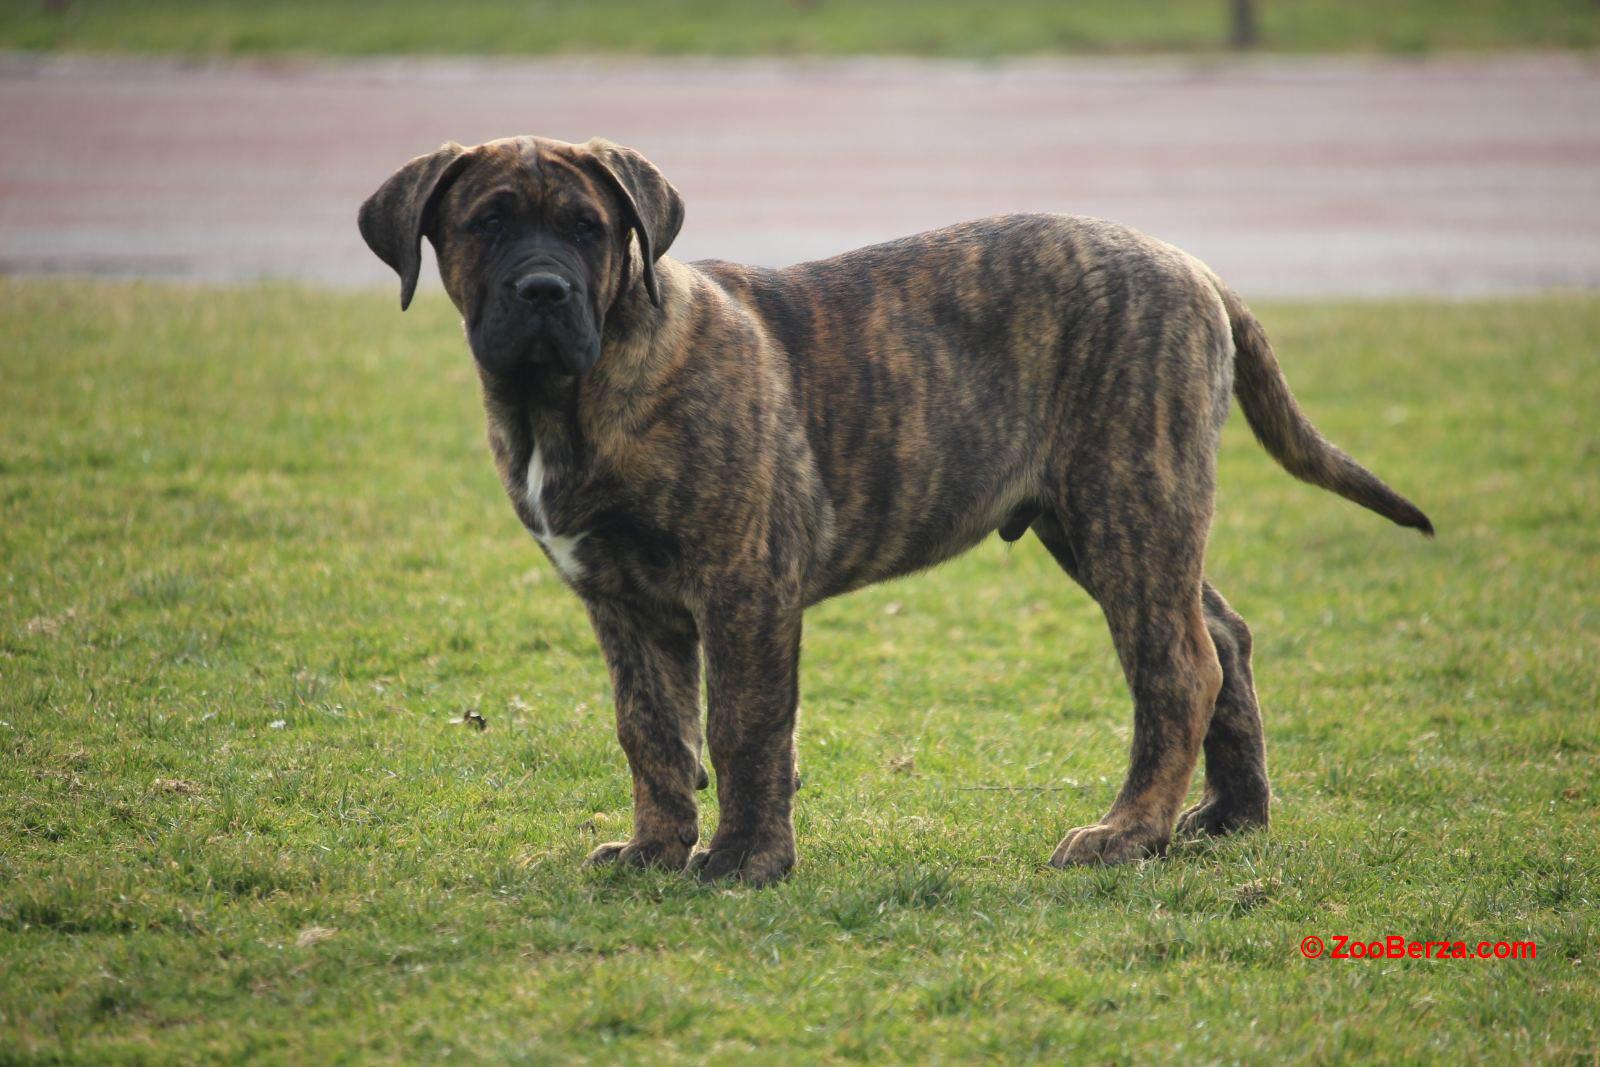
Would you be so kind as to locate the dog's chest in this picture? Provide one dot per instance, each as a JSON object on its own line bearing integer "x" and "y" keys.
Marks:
{"x": 542, "y": 513}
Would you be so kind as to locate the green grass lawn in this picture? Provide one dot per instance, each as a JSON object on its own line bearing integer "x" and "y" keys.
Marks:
{"x": 255, "y": 560}
{"x": 741, "y": 27}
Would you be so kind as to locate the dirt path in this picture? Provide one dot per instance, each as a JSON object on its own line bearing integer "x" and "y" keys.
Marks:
{"x": 1291, "y": 177}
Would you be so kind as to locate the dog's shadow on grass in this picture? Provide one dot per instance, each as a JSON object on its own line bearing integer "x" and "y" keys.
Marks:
{"x": 1202, "y": 876}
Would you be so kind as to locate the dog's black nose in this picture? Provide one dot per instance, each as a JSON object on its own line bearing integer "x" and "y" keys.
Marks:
{"x": 543, "y": 290}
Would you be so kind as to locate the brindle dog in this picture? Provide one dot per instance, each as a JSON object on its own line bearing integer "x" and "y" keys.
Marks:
{"x": 703, "y": 450}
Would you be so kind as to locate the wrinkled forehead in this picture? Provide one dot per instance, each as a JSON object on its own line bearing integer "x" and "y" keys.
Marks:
{"x": 534, "y": 172}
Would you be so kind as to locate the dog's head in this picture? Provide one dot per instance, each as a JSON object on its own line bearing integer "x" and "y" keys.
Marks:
{"x": 536, "y": 240}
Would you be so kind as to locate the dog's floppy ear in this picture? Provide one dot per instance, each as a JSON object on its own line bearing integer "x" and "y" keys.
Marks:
{"x": 394, "y": 218}
{"x": 654, "y": 207}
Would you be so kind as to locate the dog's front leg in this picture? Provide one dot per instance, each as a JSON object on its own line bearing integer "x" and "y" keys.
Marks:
{"x": 654, "y": 659}
{"x": 752, "y": 644}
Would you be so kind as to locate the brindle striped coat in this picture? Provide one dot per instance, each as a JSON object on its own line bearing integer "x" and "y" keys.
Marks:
{"x": 706, "y": 449}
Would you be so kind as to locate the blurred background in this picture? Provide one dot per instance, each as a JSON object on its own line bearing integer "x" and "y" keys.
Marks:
{"x": 256, "y": 567}
{"x": 1302, "y": 147}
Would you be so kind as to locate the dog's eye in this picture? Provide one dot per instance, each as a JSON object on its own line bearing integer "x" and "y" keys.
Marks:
{"x": 490, "y": 224}
{"x": 585, "y": 229}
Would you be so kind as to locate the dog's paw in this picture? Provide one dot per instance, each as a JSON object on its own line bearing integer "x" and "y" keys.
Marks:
{"x": 754, "y": 863}
{"x": 667, "y": 855}
{"x": 1104, "y": 844}
{"x": 1213, "y": 817}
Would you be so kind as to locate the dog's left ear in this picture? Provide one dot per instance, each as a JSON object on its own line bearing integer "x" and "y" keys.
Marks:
{"x": 653, "y": 206}
{"x": 394, "y": 218}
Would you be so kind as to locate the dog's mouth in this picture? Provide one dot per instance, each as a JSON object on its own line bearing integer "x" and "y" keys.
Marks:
{"x": 581, "y": 358}
{"x": 517, "y": 347}
{"x": 561, "y": 354}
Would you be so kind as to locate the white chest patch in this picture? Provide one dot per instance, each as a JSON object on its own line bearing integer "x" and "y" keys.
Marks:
{"x": 563, "y": 548}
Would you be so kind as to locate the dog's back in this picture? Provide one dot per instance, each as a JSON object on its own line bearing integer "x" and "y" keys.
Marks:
{"x": 948, "y": 380}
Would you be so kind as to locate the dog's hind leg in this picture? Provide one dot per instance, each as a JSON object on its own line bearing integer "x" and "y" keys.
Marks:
{"x": 1149, "y": 588}
{"x": 1237, "y": 795}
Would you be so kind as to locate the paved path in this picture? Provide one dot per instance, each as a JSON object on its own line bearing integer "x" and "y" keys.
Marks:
{"x": 1289, "y": 176}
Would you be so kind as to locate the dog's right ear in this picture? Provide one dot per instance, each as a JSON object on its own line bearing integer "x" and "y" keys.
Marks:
{"x": 394, "y": 218}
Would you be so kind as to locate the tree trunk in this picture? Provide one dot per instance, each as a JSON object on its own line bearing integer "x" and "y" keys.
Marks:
{"x": 1246, "y": 33}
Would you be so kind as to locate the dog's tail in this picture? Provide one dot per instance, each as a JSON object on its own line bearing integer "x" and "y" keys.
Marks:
{"x": 1286, "y": 433}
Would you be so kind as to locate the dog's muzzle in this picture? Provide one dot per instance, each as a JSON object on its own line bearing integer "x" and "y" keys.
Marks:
{"x": 539, "y": 318}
